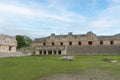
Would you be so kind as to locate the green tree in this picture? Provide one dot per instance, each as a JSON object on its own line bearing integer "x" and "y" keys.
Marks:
{"x": 23, "y": 41}
{"x": 28, "y": 40}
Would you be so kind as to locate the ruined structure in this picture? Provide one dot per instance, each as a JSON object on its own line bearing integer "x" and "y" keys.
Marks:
{"x": 82, "y": 44}
{"x": 7, "y": 43}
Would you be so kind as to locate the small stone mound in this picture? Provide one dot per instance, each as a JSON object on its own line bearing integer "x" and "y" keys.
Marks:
{"x": 66, "y": 58}
{"x": 110, "y": 60}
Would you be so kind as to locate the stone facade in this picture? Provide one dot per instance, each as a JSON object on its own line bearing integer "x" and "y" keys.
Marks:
{"x": 7, "y": 44}
{"x": 88, "y": 43}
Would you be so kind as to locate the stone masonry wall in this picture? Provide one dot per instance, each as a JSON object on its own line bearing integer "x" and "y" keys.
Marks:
{"x": 81, "y": 43}
{"x": 7, "y": 43}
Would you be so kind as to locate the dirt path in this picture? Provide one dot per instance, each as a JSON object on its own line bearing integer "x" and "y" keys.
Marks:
{"x": 90, "y": 75}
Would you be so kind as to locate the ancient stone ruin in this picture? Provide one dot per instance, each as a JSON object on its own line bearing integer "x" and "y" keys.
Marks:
{"x": 81, "y": 44}
{"x": 7, "y": 43}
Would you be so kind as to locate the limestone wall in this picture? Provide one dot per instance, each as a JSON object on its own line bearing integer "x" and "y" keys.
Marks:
{"x": 81, "y": 43}
{"x": 72, "y": 43}
{"x": 70, "y": 39}
{"x": 7, "y": 43}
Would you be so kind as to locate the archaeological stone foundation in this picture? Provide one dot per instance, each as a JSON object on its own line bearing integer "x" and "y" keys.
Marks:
{"x": 81, "y": 44}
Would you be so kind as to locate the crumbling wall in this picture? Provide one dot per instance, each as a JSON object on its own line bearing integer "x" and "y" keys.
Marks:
{"x": 7, "y": 43}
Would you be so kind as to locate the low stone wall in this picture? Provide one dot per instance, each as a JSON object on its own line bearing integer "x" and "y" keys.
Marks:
{"x": 94, "y": 50}
{"x": 12, "y": 54}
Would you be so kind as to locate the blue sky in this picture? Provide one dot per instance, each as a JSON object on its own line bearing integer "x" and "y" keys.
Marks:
{"x": 39, "y": 18}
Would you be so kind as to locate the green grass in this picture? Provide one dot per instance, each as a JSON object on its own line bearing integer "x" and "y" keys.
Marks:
{"x": 34, "y": 67}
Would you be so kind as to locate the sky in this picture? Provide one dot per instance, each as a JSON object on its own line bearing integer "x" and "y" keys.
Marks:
{"x": 40, "y": 18}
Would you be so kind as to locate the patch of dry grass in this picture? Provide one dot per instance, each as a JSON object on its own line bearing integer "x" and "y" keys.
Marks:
{"x": 88, "y": 75}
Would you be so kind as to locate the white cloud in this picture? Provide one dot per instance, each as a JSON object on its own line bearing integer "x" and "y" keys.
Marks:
{"x": 43, "y": 19}
{"x": 33, "y": 13}
{"x": 108, "y": 17}
{"x": 14, "y": 9}
{"x": 99, "y": 23}
{"x": 2, "y": 22}
{"x": 60, "y": 14}
{"x": 105, "y": 23}
{"x": 116, "y": 1}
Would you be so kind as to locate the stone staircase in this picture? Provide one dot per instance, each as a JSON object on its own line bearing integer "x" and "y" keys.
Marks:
{"x": 94, "y": 50}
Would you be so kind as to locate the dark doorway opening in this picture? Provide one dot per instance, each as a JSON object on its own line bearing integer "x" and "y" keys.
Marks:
{"x": 111, "y": 42}
{"x": 79, "y": 43}
{"x": 40, "y": 52}
{"x": 44, "y": 52}
{"x": 90, "y": 43}
{"x": 44, "y": 44}
{"x": 59, "y": 52}
{"x": 53, "y": 44}
{"x": 55, "y": 52}
{"x": 49, "y": 52}
{"x": 70, "y": 43}
{"x": 101, "y": 42}
{"x": 61, "y": 43}
{"x": 10, "y": 48}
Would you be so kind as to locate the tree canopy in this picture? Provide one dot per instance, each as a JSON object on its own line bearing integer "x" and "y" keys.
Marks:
{"x": 23, "y": 41}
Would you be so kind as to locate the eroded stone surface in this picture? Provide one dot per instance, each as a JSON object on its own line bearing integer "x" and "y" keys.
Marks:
{"x": 7, "y": 43}
{"x": 89, "y": 43}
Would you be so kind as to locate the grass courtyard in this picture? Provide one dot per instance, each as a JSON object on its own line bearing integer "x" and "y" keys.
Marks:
{"x": 35, "y": 67}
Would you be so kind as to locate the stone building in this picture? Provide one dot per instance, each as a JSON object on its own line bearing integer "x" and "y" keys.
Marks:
{"x": 7, "y": 43}
{"x": 81, "y": 44}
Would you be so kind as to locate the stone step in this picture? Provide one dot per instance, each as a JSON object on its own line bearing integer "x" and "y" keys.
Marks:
{"x": 94, "y": 50}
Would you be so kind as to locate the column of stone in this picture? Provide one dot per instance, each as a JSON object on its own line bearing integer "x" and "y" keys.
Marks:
{"x": 42, "y": 52}
{"x": 46, "y": 52}
{"x": 56, "y": 52}
{"x": 1, "y": 48}
{"x": 52, "y": 52}
{"x": 37, "y": 52}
